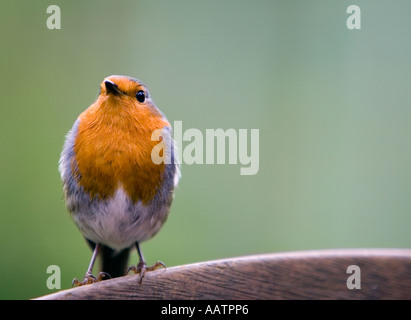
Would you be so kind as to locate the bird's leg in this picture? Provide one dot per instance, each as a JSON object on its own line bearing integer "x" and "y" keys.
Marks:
{"x": 141, "y": 267}
{"x": 89, "y": 278}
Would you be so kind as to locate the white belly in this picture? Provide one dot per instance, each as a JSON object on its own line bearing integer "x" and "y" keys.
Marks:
{"x": 118, "y": 223}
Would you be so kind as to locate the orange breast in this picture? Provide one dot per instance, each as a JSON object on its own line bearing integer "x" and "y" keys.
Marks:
{"x": 113, "y": 148}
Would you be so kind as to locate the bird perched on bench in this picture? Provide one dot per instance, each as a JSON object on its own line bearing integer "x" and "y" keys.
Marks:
{"x": 116, "y": 189}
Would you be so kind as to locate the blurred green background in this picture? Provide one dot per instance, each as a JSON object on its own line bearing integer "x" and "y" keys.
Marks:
{"x": 333, "y": 107}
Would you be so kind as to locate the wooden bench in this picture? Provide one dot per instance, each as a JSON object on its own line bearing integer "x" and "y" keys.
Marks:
{"x": 317, "y": 274}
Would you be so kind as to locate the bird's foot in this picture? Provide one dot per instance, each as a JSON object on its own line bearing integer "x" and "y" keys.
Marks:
{"x": 89, "y": 278}
{"x": 142, "y": 268}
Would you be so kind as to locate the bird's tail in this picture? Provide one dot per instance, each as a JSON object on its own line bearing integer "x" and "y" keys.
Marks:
{"x": 112, "y": 262}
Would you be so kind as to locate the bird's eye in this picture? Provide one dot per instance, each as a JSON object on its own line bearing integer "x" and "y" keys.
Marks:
{"x": 141, "y": 96}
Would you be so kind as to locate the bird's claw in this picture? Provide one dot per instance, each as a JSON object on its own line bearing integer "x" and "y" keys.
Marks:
{"x": 89, "y": 278}
{"x": 142, "y": 268}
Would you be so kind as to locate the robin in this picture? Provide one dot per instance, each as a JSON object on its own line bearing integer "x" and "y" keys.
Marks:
{"x": 116, "y": 194}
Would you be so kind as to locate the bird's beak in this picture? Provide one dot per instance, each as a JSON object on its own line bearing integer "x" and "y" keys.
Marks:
{"x": 111, "y": 87}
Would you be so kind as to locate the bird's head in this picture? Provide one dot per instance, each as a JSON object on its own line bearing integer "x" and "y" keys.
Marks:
{"x": 118, "y": 89}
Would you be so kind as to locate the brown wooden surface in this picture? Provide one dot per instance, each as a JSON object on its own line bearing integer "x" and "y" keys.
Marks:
{"x": 385, "y": 274}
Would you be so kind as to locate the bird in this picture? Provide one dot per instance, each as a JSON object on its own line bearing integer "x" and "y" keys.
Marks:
{"x": 117, "y": 190}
